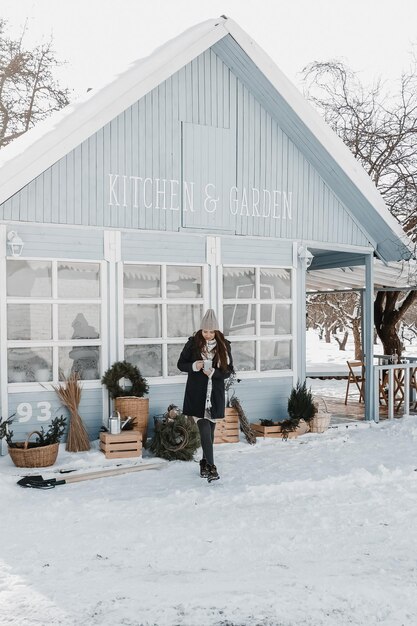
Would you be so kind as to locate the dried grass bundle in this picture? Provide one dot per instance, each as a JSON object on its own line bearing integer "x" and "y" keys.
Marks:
{"x": 70, "y": 395}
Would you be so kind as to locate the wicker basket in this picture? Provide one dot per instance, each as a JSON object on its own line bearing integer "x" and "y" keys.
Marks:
{"x": 32, "y": 454}
{"x": 321, "y": 420}
{"x": 303, "y": 427}
{"x": 138, "y": 409}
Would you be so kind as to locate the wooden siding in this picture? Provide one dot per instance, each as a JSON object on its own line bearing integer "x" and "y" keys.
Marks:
{"x": 236, "y": 250}
{"x": 264, "y": 398}
{"x": 163, "y": 247}
{"x": 59, "y": 242}
{"x": 203, "y": 123}
{"x": 213, "y": 172}
{"x": 91, "y": 411}
{"x": 331, "y": 174}
{"x": 260, "y": 398}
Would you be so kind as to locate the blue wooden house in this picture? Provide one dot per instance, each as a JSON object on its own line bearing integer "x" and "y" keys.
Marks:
{"x": 199, "y": 178}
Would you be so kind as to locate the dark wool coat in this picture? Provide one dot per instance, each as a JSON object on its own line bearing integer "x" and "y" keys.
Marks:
{"x": 196, "y": 387}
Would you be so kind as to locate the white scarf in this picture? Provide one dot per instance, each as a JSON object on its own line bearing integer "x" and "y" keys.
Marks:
{"x": 209, "y": 353}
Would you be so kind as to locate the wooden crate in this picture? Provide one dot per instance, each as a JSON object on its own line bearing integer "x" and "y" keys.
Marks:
{"x": 227, "y": 429}
{"x": 124, "y": 445}
{"x": 270, "y": 431}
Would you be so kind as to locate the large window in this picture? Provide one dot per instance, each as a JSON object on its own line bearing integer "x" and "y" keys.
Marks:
{"x": 257, "y": 317}
{"x": 53, "y": 320}
{"x": 163, "y": 306}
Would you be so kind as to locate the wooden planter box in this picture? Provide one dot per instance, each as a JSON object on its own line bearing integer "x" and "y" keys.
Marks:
{"x": 270, "y": 431}
{"x": 124, "y": 445}
{"x": 227, "y": 429}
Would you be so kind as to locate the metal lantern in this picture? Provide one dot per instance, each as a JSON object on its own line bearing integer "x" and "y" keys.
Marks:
{"x": 15, "y": 243}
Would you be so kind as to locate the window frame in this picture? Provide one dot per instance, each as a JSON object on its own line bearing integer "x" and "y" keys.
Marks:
{"x": 164, "y": 300}
{"x": 257, "y": 301}
{"x": 54, "y": 301}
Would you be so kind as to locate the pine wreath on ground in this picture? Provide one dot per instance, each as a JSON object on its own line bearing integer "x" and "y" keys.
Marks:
{"x": 175, "y": 438}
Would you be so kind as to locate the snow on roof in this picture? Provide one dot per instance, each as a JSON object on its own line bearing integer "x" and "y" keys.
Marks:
{"x": 35, "y": 151}
{"x": 32, "y": 153}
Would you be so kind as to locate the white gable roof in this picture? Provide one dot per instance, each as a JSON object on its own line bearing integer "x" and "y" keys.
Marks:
{"x": 39, "y": 148}
{"x": 32, "y": 153}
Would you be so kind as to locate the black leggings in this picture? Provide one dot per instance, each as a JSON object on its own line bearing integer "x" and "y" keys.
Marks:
{"x": 206, "y": 429}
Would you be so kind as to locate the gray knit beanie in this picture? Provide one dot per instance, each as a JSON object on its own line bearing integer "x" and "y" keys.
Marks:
{"x": 209, "y": 321}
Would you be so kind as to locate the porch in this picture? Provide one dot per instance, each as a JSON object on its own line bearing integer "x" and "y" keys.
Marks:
{"x": 395, "y": 395}
{"x": 385, "y": 387}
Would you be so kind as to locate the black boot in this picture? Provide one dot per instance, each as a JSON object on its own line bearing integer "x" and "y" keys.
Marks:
{"x": 204, "y": 472}
{"x": 212, "y": 473}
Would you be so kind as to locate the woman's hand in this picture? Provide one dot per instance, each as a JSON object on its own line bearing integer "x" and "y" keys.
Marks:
{"x": 199, "y": 365}
{"x": 208, "y": 372}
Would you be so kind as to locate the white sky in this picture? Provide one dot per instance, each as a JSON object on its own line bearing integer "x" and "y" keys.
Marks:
{"x": 99, "y": 38}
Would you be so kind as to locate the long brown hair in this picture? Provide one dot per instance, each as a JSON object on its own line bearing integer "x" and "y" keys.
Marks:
{"x": 220, "y": 350}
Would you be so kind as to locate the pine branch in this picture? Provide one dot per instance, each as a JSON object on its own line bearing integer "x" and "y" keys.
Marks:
{"x": 245, "y": 426}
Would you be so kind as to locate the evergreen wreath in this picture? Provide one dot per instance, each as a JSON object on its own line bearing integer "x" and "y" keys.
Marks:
{"x": 176, "y": 436}
{"x": 124, "y": 369}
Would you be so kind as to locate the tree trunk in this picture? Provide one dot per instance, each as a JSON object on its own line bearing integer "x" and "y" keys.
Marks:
{"x": 390, "y": 340}
{"x": 387, "y": 316}
{"x": 356, "y": 328}
{"x": 342, "y": 342}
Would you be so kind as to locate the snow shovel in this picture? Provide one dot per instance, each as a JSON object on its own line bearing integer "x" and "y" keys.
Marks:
{"x": 37, "y": 482}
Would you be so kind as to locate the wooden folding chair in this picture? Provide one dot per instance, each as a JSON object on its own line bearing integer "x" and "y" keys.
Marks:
{"x": 356, "y": 377}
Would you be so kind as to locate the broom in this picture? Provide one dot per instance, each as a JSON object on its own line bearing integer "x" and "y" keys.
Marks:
{"x": 70, "y": 395}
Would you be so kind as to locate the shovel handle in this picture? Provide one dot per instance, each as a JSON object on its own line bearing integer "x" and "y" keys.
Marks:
{"x": 37, "y": 482}
{"x": 112, "y": 472}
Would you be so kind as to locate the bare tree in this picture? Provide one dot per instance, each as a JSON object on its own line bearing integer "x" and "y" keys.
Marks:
{"x": 408, "y": 325}
{"x": 390, "y": 307}
{"x": 381, "y": 131}
{"x": 322, "y": 315}
{"x": 337, "y": 311}
{"x": 28, "y": 90}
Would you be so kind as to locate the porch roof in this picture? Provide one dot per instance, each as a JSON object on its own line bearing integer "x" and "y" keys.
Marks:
{"x": 395, "y": 275}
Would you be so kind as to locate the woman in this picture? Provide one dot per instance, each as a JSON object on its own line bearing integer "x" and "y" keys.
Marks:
{"x": 207, "y": 359}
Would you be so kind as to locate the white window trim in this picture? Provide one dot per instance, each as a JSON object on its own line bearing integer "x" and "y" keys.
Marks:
{"x": 257, "y": 338}
{"x": 55, "y": 344}
{"x": 164, "y": 301}
{"x": 294, "y": 321}
{"x": 4, "y": 399}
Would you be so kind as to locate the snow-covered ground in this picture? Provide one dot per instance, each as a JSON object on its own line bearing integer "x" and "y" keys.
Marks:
{"x": 318, "y": 530}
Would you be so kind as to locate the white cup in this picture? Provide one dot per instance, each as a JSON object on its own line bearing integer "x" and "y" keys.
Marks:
{"x": 208, "y": 364}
